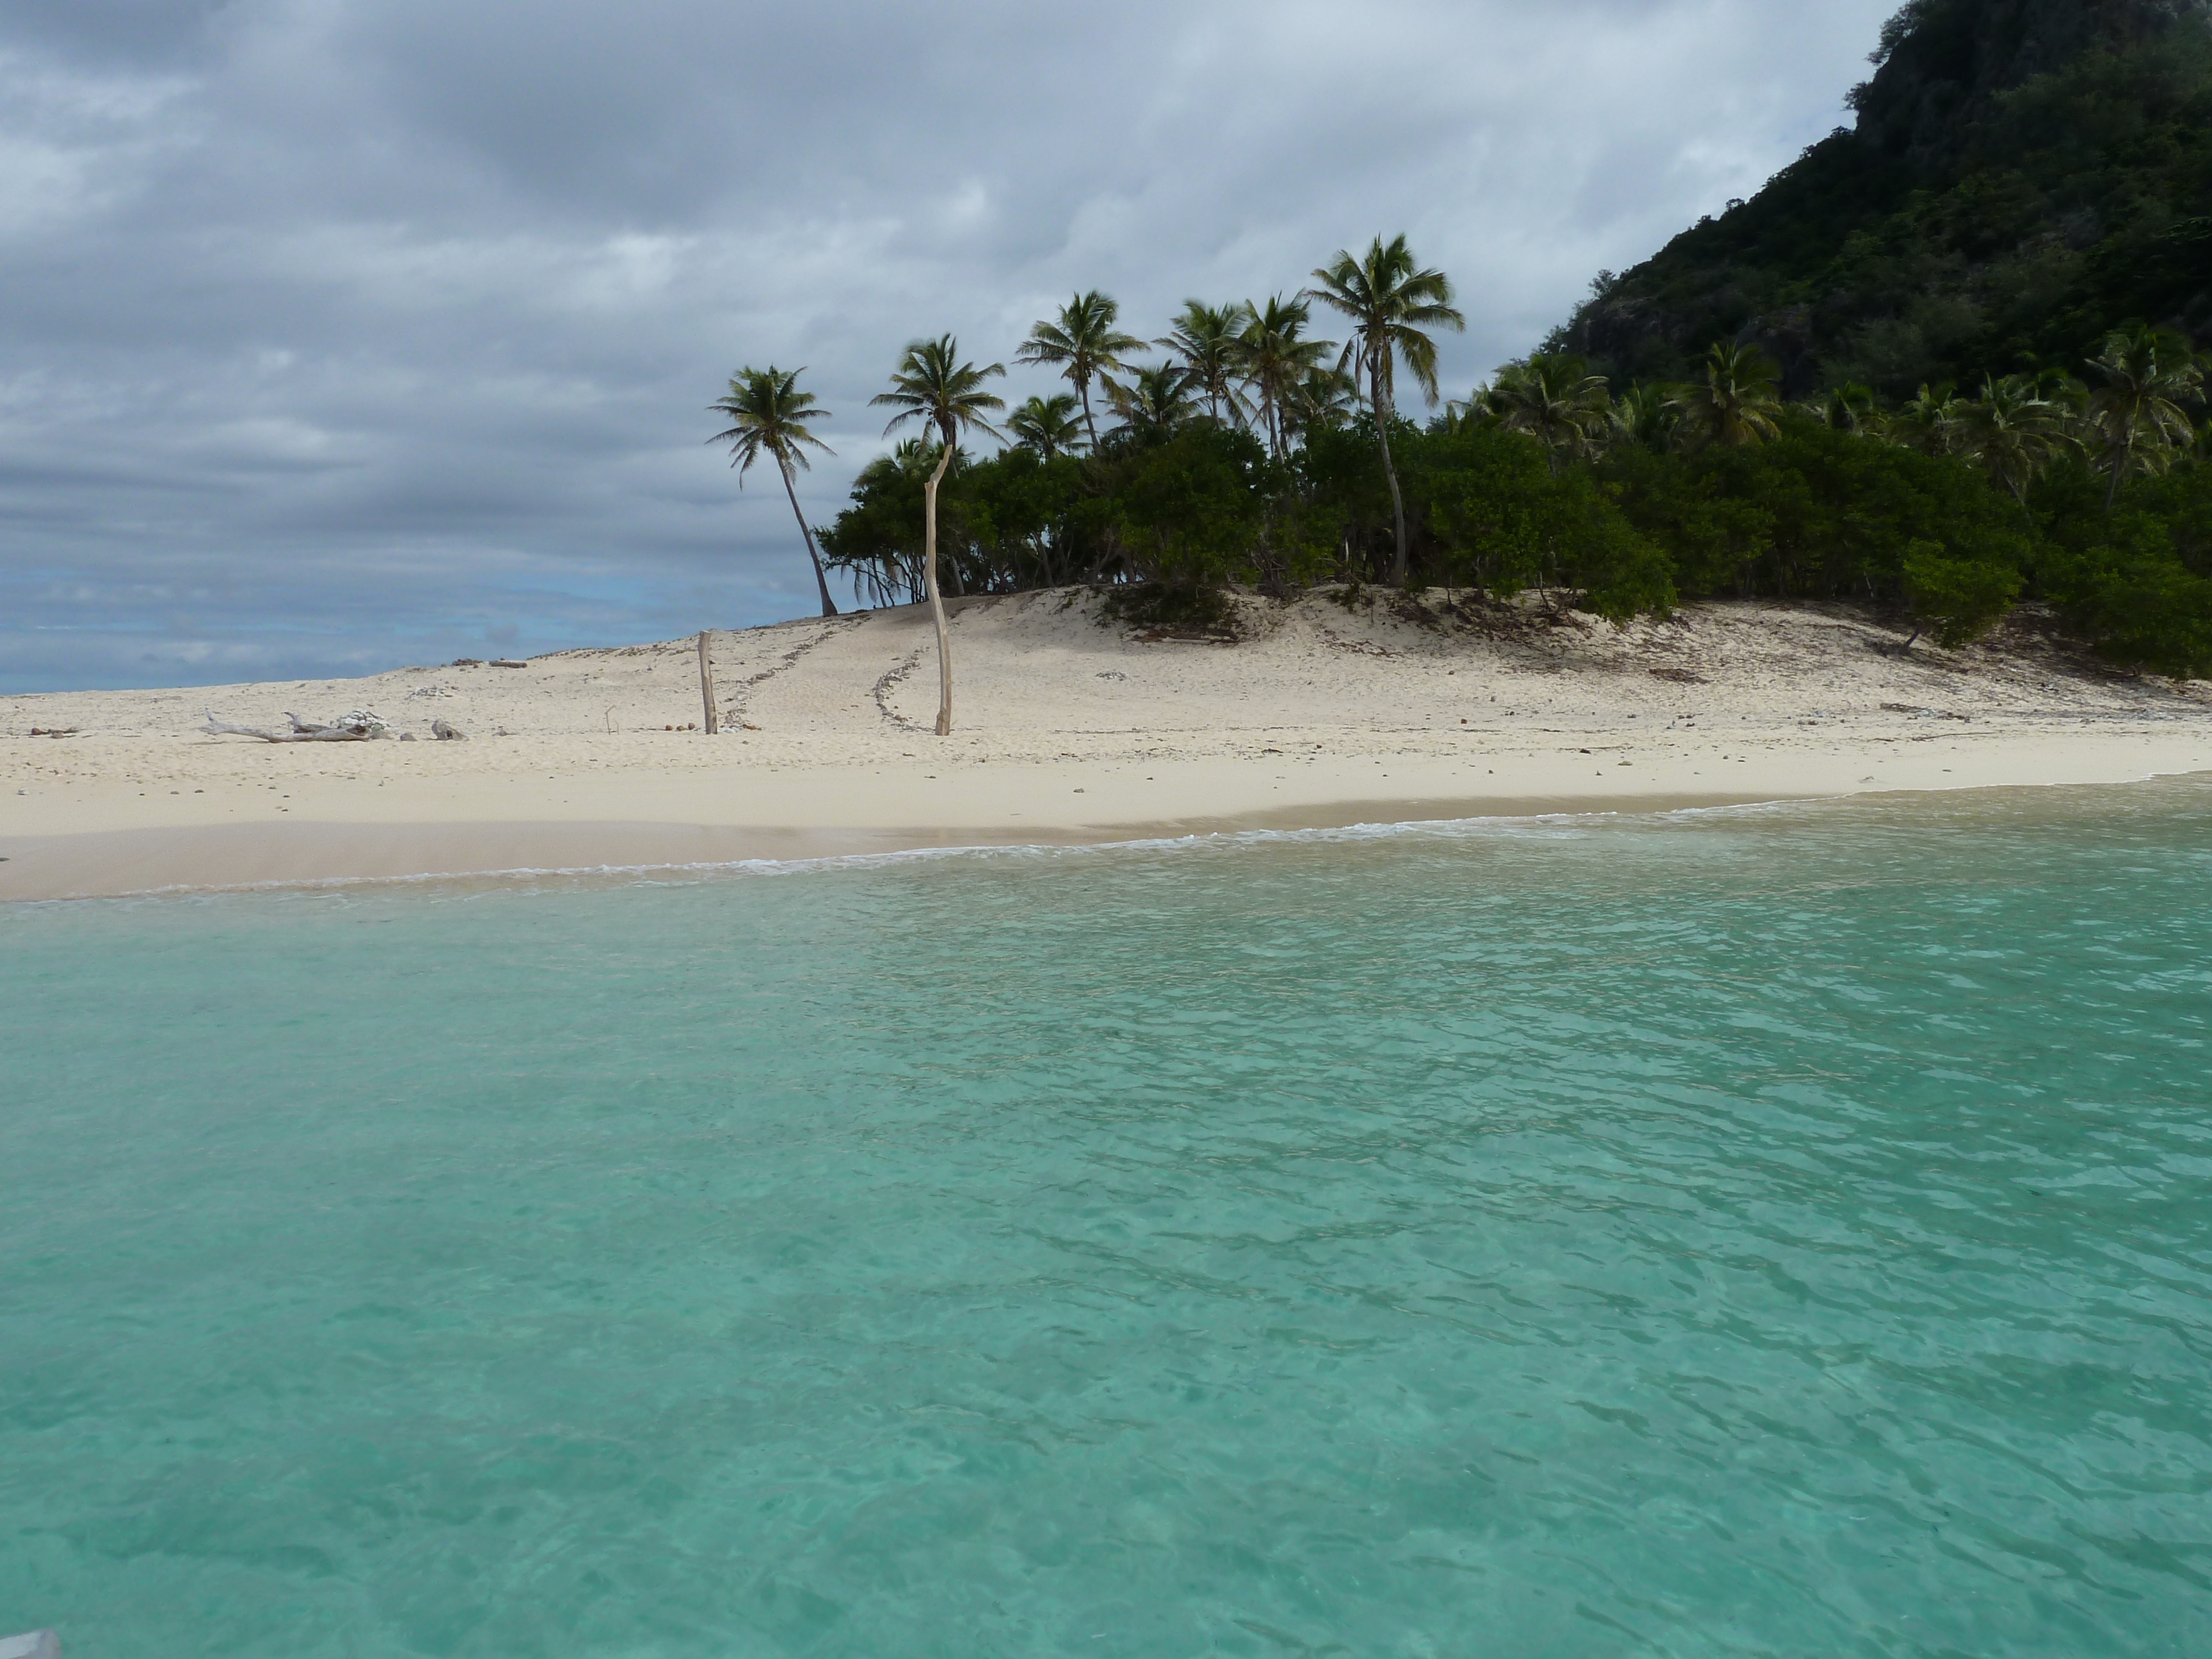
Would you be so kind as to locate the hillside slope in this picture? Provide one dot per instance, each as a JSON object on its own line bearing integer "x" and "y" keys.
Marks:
{"x": 2022, "y": 176}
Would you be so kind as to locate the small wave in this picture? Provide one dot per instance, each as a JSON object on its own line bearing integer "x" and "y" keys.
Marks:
{"x": 1562, "y": 826}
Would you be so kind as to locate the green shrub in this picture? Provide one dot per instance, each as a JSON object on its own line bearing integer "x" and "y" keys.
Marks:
{"x": 1961, "y": 599}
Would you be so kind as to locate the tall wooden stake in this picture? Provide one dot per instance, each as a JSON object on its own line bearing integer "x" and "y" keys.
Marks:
{"x": 707, "y": 686}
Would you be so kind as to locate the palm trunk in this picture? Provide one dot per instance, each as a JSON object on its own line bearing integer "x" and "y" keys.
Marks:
{"x": 936, "y": 599}
{"x": 1091, "y": 426}
{"x": 1379, "y": 400}
{"x": 829, "y": 607}
{"x": 2120, "y": 461}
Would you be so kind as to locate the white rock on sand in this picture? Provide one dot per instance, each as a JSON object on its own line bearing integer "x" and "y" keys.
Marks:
{"x": 1065, "y": 730}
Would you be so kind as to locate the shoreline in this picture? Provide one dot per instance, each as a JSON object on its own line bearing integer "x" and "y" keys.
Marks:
{"x": 1070, "y": 732}
{"x": 182, "y": 861}
{"x": 231, "y": 858}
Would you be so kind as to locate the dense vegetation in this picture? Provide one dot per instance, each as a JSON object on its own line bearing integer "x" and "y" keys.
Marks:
{"x": 2023, "y": 177}
{"x": 1258, "y": 453}
{"x": 2089, "y": 494}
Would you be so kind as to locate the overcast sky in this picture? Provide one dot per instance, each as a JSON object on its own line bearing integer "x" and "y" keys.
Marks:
{"x": 343, "y": 334}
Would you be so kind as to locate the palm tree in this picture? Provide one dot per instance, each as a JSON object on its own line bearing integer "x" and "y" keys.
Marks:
{"x": 2013, "y": 431}
{"x": 2137, "y": 415}
{"x": 1326, "y": 399}
{"x": 1392, "y": 302}
{"x": 1928, "y": 422}
{"x": 1046, "y": 426}
{"x": 769, "y": 413}
{"x": 1462, "y": 413}
{"x": 1082, "y": 344}
{"x": 1210, "y": 341}
{"x": 1851, "y": 408}
{"x": 1552, "y": 398}
{"x": 1275, "y": 359}
{"x": 1736, "y": 403}
{"x": 1643, "y": 414}
{"x": 933, "y": 385}
{"x": 1153, "y": 401}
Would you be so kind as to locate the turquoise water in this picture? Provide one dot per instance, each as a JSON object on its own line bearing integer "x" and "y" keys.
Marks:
{"x": 1778, "y": 1232}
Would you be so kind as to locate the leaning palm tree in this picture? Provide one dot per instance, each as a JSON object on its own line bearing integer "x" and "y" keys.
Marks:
{"x": 1153, "y": 401}
{"x": 1736, "y": 403}
{"x": 1046, "y": 426}
{"x": 1083, "y": 344}
{"x": 2012, "y": 431}
{"x": 1391, "y": 303}
{"x": 2137, "y": 415}
{"x": 1275, "y": 357}
{"x": 933, "y": 385}
{"x": 1553, "y": 398}
{"x": 1209, "y": 340}
{"x": 769, "y": 415}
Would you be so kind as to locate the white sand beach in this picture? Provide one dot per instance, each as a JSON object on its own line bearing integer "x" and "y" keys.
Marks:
{"x": 1068, "y": 728}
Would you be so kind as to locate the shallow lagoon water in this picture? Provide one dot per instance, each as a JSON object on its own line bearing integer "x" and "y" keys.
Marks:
{"x": 1775, "y": 1232}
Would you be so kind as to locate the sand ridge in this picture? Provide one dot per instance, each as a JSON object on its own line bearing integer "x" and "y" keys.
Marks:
{"x": 1068, "y": 726}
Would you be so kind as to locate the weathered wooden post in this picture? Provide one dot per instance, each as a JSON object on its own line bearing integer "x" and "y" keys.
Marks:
{"x": 707, "y": 686}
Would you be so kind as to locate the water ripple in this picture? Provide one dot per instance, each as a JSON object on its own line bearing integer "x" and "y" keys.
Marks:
{"x": 1746, "y": 1233}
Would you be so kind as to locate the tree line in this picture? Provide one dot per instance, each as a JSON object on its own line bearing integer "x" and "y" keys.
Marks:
{"x": 1255, "y": 452}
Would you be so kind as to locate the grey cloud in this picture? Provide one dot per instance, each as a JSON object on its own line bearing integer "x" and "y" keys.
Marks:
{"x": 112, "y": 31}
{"x": 339, "y": 334}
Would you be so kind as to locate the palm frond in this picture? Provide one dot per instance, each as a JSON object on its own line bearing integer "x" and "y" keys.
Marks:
{"x": 1736, "y": 402}
{"x": 1555, "y": 399}
{"x": 933, "y": 385}
{"x": 768, "y": 415}
{"x": 1392, "y": 303}
{"x": 1047, "y": 426}
{"x": 1154, "y": 401}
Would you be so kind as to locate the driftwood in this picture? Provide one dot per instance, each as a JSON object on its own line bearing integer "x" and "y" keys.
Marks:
{"x": 350, "y": 731}
{"x": 1933, "y": 713}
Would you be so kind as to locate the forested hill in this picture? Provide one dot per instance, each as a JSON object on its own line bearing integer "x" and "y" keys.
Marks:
{"x": 2023, "y": 176}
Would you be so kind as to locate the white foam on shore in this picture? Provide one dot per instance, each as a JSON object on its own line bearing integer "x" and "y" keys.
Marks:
{"x": 1544, "y": 826}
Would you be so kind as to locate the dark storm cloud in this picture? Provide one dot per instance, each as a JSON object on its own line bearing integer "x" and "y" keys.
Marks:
{"x": 340, "y": 334}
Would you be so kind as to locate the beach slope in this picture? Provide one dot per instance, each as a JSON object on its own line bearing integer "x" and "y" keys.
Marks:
{"x": 1070, "y": 726}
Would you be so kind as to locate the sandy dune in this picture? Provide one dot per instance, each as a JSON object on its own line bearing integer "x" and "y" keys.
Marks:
{"x": 1068, "y": 728}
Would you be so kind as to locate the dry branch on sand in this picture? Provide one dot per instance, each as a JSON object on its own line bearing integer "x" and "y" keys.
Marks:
{"x": 356, "y": 727}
